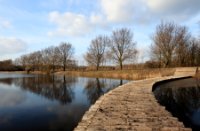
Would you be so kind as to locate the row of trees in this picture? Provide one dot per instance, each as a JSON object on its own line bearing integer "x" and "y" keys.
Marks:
{"x": 48, "y": 59}
{"x": 173, "y": 45}
{"x": 119, "y": 47}
{"x": 7, "y": 65}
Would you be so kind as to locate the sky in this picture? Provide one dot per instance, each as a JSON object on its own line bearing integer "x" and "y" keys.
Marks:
{"x": 31, "y": 25}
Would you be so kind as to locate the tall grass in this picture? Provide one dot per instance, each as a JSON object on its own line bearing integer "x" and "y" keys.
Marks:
{"x": 123, "y": 74}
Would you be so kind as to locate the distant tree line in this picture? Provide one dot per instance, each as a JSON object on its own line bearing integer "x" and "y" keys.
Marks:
{"x": 119, "y": 48}
{"x": 48, "y": 59}
{"x": 173, "y": 46}
{"x": 7, "y": 65}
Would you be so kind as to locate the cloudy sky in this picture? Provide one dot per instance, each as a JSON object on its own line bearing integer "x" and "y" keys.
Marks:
{"x": 30, "y": 25}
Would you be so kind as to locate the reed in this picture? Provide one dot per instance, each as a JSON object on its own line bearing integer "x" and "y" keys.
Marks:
{"x": 123, "y": 74}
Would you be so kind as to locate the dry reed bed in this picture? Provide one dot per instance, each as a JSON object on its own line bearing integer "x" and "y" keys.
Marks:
{"x": 123, "y": 74}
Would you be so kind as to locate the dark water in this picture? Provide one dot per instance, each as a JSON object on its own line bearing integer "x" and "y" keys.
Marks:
{"x": 33, "y": 103}
{"x": 182, "y": 99}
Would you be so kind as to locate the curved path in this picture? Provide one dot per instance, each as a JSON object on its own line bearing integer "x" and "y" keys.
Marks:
{"x": 130, "y": 107}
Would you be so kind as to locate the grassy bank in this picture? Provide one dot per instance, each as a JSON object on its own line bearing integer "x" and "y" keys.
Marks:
{"x": 115, "y": 74}
{"x": 122, "y": 74}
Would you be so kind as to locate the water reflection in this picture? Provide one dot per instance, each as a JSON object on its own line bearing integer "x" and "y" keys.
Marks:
{"x": 48, "y": 102}
{"x": 96, "y": 87}
{"x": 51, "y": 87}
{"x": 94, "y": 90}
{"x": 182, "y": 99}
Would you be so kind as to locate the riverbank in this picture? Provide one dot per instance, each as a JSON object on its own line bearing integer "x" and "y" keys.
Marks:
{"x": 24, "y": 72}
{"x": 114, "y": 74}
{"x": 122, "y": 74}
{"x": 130, "y": 107}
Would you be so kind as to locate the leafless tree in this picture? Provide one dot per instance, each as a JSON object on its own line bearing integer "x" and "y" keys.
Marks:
{"x": 122, "y": 46}
{"x": 35, "y": 60}
{"x": 163, "y": 42}
{"x": 156, "y": 55}
{"x": 51, "y": 57}
{"x": 174, "y": 46}
{"x": 46, "y": 60}
{"x": 66, "y": 52}
{"x": 182, "y": 40}
{"x": 198, "y": 54}
{"x": 22, "y": 60}
{"x": 193, "y": 52}
{"x": 96, "y": 52}
{"x": 54, "y": 57}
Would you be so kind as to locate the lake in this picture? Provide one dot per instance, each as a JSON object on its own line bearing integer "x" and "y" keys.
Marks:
{"x": 41, "y": 102}
{"x": 182, "y": 99}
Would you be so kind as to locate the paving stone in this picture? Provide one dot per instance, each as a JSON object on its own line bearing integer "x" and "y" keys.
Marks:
{"x": 131, "y": 107}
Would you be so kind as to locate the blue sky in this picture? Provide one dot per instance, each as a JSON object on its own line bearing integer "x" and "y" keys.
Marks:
{"x": 30, "y": 25}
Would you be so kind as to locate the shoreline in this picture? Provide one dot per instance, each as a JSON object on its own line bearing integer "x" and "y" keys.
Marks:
{"x": 113, "y": 74}
{"x": 122, "y": 74}
{"x": 133, "y": 111}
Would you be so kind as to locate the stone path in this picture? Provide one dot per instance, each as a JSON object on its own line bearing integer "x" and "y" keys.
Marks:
{"x": 130, "y": 107}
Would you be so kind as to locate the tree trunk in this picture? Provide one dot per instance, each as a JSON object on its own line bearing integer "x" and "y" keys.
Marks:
{"x": 121, "y": 65}
{"x": 64, "y": 67}
{"x": 97, "y": 68}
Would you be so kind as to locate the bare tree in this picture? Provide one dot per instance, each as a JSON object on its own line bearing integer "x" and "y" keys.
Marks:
{"x": 66, "y": 52}
{"x": 193, "y": 52}
{"x": 46, "y": 59}
{"x": 35, "y": 60}
{"x": 168, "y": 41}
{"x": 96, "y": 52}
{"x": 172, "y": 45}
{"x": 198, "y": 54}
{"x": 54, "y": 57}
{"x": 51, "y": 57}
{"x": 164, "y": 43}
{"x": 156, "y": 55}
{"x": 22, "y": 60}
{"x": 122, "y": 47}
{"x": 182, "y": 40}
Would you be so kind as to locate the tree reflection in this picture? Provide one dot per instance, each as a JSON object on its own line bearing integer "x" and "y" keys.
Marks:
{"x": 51, "y": 87}
{"x": 94, "y": 90}
{"x": 121, "y": 82}
{"x": 7, "y": 81}
{"x": 182, "y": 99}
{"x": 97, "y": 87}
{"x": 66, "y": 95}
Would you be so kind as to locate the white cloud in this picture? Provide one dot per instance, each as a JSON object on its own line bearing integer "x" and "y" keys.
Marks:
{"x": 118, "y": 10}
{"x": 11, "y": 97}
{"x": 145, "y": 11}
{"x": 98, "y": 20}
{"x": 77, "y": 24}
{"x": 69, "y": 24}
{"x": 182, "y": 6}
{"x": 110, "y": 13}
{"x": 5, "y": 23}
{"x": 11, "y": 46}
{"x": 174, "y": 9}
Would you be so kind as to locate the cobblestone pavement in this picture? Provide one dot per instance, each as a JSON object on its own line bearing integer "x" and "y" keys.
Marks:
{"x": 130, "y": 107}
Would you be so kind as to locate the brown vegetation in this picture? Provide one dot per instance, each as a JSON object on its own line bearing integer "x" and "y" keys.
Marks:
{"x": 7, "y": 65}
{"x": 122, "y": 47}
{"x": 49, "y": 59}
{"x": 173, "y": 46}
{"x": 123, "y": 74}
{"x": 96, "y": 52}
